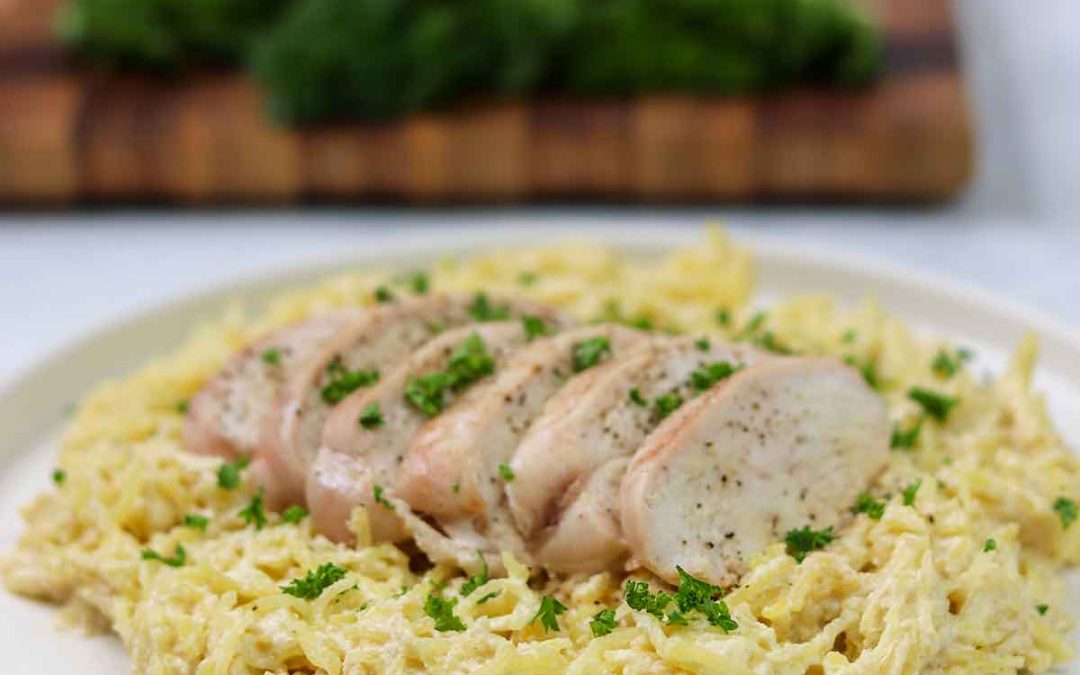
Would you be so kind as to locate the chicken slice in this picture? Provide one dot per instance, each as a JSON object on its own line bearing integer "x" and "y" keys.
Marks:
{"x": 781, "y": 445}
{"x": 603, "y": 414}
{"x": 357, "y": 464}
{"x": 354, "y": 358}
{"x": 455, "y": 469}
{"x": 587, "y": 537}
{"x": 225, "y": 418}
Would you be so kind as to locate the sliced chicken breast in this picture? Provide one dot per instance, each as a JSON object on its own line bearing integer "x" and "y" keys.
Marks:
{"x": 587, "y": 536}
{"x": 357, "y": 463}
{"x": 782, "y": 445}
{"x": 356, "y": 356}
{"x": 452, "y": 468}
{"x": 225, "y": 418}
{"x": 456, "y": 466}
{"x": 606, "y": 413}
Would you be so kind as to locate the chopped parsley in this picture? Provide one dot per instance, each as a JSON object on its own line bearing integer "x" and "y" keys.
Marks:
{"x": 802, "y": 541}
{"x": 703, "y": 344}
{"x": 380, "y": 498}
{"x": 196, "y": 522}
{"x": 722, "y": 317}
{"x": 228, "y": 475}
{"x": 550, "y": 609}
{"x": 754, "y": 324}
{"x": 1067, "y": 511}
{"x": 1041, "y": 609}
{"x": 383, "y": 294}
{"x": 469, "y": 362}
{"x": 603, "y": 622}
{"x": 667, "y": 404}
{"x": 272, "y": 356}
{"x": 527, "y": 278}
{"x": 588, "y": 353}
{"x": 441, "y": 611}
{"x": 506, "y": 472}
{"x": 705, "y": 377}
{"x": 253, "y": 513}
{"x": 947, "y": 364}
{"x": 372, "y": 416}
{"x": 178, "y": 558}
{"x": 770, "y": 342}
{"x": 344, "y": 381}
{"x": 481, "y": 309}
{"x": 905, "y": 440}
{"x": 475, "y": 582}
{"x": 865, "y": 503}
{"x": 420, "y": 283}
{"x": 696, "y": 594}
{"x": 637, "y": 398}
{"x": 426, "y": 392}
{"x": 935, "y": 404}
{"x": 455, "y": 487}
{"x": 59, "y": 476}
{"x": 848, "y": 337}
{"x": 909, "y": 493}
{"x": 311, "y": 585}
{"x": 488, "y": 596}
{"x": 294, "y": 514}
{"x": 182, "y": 407}
{"x": 990, "y": 545}
{"x": 534, "y": 327}
{"x": 638, "y": 596}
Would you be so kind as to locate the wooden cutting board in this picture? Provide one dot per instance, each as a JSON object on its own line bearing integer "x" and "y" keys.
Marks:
{"x": 69, "y": 135}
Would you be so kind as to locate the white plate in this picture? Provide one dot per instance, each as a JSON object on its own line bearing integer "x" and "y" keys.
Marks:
{"x": 33, "y": 409}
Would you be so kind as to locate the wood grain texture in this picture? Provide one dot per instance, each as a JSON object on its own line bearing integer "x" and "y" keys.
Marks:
{"x": 69, "y": 135}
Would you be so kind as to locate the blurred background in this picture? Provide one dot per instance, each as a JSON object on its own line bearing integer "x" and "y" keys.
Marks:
{"x": 153, "y": 147}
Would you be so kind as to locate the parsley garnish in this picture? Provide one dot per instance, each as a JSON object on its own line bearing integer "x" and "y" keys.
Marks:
{"x": 588, "y": 353}
{"x": 372, "y": 416}
{"x": 1041, "y": 609}
{"x": 420, "y": 283}
{"x": 1067, "y": 511}
{"x": 936, "y": 405}
{"x": 722, "y": 317}
{"x": 864, "y": 503}
{"x": 506, "y": 472}
{"x": 344, "y": 382}
{"x": 637, "y": 596}
{"x": 534, "y": 327}
{"x": 637, "y": 398}
{"x": 489, "y": 596}
{"x": 294, "y": 514}
{"x": 481, "y": 309}
{"x": 905, "y": 440}
{"x": 426, "y": 392}
{"x": 253, "y": 513}
{"x": 441, "y": 610}
{"x": 909, "y": 493}
{"x": 272, "y": 356}
{"x": 696, "y": 594}
{"x": 179, "y": 556}
{"x": 802, "y": 541}
{"x": 196, "y": 522}
{"x": 667, "y": 404}
{"x": 182, "y": 407}
{"x": 59, "y": 476}
{"x": 311, "y": 585}
{"x": 383, "y": 294}
{"x": 473, "y": 583}
{"x": 527, "y": 278}
{"x": 990, "y": 545}
{"x": 603, "y": 622}
{"x": 469, "y": 362}
{"x": 380, "y": 498}
{"x": 550, "y": 608}
{"x": 752, "y": 326}
{"x": 946, "y": 365}
{"x": 228, "y": 475}
{"x": 848, "y": 337}
{"x": 703, "y": 344}
{"x": 455, "y": 487}
{"x": 705, "y": 377}
{"x": 770, "y": 342}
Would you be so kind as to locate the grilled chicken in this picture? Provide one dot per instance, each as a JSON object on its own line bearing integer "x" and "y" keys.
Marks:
{"x": 358, "y": 464}
{"x": 225, "y": 418}
{"x": 604, "y": 414}
{"x": 356, "y": 354}
{"x": 455, "y": 469}
{"x": 782, "y": 445}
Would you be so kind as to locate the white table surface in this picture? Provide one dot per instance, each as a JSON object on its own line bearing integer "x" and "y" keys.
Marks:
{"x": 1015, "y": 232}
